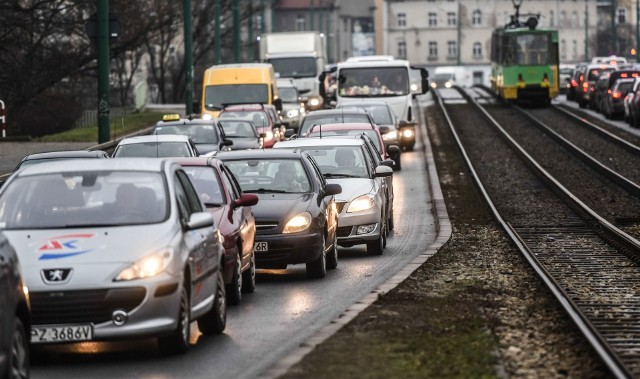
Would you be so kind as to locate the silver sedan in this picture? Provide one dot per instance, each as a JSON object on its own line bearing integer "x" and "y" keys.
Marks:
{"x": 115, "y": 249}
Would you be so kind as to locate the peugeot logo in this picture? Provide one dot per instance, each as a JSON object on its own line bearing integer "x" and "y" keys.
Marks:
{"x": 56, "y": 275}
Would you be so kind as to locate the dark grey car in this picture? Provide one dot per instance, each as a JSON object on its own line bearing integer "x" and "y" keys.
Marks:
{"x": 15, "y": 316}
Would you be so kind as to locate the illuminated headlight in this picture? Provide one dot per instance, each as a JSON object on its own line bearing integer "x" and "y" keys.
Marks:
{"x": 298, "y": 223}
{"x": 293, "y": 113}
{"x": 268, "y": 136}
{"x": 447, "y": 84}
{"x": 314, "y": 102}
{"x": 207, "y": 117}
{"x": 392, "y": 135}
{"x": 360, "y": 203}
{"x": 147, "y": 267}
{"x": 407, "y": 133}
{"x": 433, "y": 85}
{"x": 414, "y": 87}
{"x": 366, "y": 229}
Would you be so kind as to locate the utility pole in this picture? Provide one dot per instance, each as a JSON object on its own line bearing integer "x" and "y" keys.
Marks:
{"x": 311, "y": 14}
{"x": 320, "y": 20}
{"x": 217, "y": 40}
{"x": 273, "y": 16}
{"x": 328, "y": 35}
{"x": 459, "y": 47}
{"x": 188, "y": 56}
{"x": 250, "y": 27}
{"x": 236, "y": 31}
{"x": 102, "y": 38}
{"x": 637, "y": 30}
{"x": 614, "y": 34}
{"x": 586, "y": 30}
{"x": 262, "y": 20}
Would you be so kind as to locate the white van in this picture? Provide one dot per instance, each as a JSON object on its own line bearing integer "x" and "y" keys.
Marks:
{"x": 449, "y": 76}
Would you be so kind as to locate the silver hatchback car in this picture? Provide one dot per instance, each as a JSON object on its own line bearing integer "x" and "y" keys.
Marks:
{"x": 115, "y": 249}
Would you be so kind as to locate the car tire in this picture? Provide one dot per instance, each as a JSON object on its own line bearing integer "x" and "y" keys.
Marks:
{"x": 376, "y": 247}
{"x": 234, "y": 288}
{"x": 410, "y": 146}
{"x": 397, "y": 166}
{"x": 390, "y": 222}
{"x": 178, "y": 341}
{"x": 332, "y": 257}
{"x": 317, "y": 269}
{"x": 18, "y": 365}
{"x": 249, "y": 276}
{"x": 214, "y": 321}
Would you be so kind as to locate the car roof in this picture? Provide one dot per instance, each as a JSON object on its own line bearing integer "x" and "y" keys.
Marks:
{"x": 362, "y": 103}
{"x": 244, "y": 107}
{"x": 155, "y": 138}
{"x": 186, "y": 121}
{"x": 341, "y": 126}
{"x": 198, "y": 161}
{"x": 329, "y": 141}
{"x": 117, "y": 164}
{"x": 65, "y": 154}
{"x": 259, "y": 154}
{"x": 333, "y": 112}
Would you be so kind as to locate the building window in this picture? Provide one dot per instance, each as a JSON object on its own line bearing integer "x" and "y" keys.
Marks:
{"x": 451, "y": 18}
{"x": 402, "y": 20}
{"x": 300, "y": 22}
{"x": 552, "y": 19}
{"x": 433, "y": 49}
{"x": 452, "y": 50}
{"x": 575, "y": 21}
{"x": 622, "y": 16}
{"x": 402, "y": 50}
{"x": 563, "y": 49}
{"x": 476, "y": 17}
{"x": 563, "y": 19}
{"x": 433, "y": 19}
{"x": 477, "y": 50}
{"x": 574, "y": 49}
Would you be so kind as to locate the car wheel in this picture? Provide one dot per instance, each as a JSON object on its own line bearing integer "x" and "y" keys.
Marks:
{"x": 19, "y": 359}
{"x": 410, "y": 146}
{"x": 376, "y": 247}
{"x": 178, "y": 341}
{"x": 385, "y": 234}
{"x": 234, "y": 289}
{"x": 317, "y": 268}
{"x": 249, "y": 276}
{"x": 214, "y": 321}
{"x": 332, "y": 258}
{"x": 397, "y": 166}
{"x": 390, "y": 222}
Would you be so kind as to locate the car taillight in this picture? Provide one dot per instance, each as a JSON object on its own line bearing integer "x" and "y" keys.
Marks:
{"x": 574, "y": 83}
{"x": 585, "y": 87}
{"x": 616, "y": 95}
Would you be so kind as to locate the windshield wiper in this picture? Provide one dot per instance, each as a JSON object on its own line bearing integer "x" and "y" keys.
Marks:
{"x": 329, "y": 175}
{"x": 263, "y": 190}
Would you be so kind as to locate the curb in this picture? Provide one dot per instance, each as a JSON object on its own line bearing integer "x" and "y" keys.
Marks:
{"x": 443, "y": 227}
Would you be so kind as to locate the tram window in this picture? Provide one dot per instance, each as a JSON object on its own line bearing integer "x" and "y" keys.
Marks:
{"x": 532, "y": 49}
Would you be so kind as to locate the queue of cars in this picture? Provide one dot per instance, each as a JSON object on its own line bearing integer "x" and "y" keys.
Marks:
{"x": 172, "y": 227}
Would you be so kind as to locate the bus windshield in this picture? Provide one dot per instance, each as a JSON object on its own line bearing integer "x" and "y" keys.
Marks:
{"x": 216, "y": 96}
{"x": 373, "y": 82}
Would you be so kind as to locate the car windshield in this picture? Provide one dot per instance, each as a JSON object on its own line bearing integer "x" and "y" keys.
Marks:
{"x": 238, "y": 129}
{"x": 316, "y": 133}
{"x": 336, "y": 118}
{"x": 288, "y": 94}
{"x": 375, "y": 81}
{"x": 216, "y": 96}
{"x": 83, "y": 199}
{"x": 379, "y": 112}
{"x": 595, "y": 72}
{"x": 624, "y": 86}
{"x": 207, "y": 184}
{"x": 153, "y": 150}
{"x": 259, "y": 118}
{"x": 339, "y": 161}
{"x": 197, "y": 133}
{"x": 270, "y": 175}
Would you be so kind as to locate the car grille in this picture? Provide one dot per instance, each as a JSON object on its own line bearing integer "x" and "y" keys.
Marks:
{"x": 264, "y": 227}
{"x": 340, "y": 206}
{"x": 87, "y": 306}
{"x": 344, "y": 231}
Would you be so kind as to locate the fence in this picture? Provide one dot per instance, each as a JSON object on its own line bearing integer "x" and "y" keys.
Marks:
{"x": 90, "y": 117}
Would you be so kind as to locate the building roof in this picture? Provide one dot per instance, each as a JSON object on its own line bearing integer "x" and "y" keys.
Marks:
{"x": 306, "y": 4}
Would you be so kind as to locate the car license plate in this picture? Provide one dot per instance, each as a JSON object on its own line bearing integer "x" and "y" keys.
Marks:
{"x": 61, "y": 333}
{"x": 260, "y": 247}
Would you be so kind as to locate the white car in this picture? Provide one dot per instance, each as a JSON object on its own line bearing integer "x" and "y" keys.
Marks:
{"x": 115, "y": 248}
{"x": 363, "y": 203}
{"x": 156, "y": 146}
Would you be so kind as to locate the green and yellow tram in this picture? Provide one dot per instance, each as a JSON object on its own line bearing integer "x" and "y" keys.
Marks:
{"x": 524, "y": 63}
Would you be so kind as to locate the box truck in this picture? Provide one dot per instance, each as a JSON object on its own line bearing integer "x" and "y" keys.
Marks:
{"x": 300, "y": 56}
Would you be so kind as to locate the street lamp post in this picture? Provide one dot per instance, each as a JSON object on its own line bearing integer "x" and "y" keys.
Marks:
{"x": 188, "y": 56}
{"x": 102, "y": 38}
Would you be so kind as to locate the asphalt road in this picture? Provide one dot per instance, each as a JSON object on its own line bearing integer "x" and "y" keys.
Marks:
{"x": 286, "y": 309}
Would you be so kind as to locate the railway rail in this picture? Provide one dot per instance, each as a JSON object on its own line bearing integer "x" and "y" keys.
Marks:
{"x": 588, "y": 264}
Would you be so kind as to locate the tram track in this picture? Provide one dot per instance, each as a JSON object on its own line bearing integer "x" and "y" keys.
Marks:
{"x": 588, "y": 264}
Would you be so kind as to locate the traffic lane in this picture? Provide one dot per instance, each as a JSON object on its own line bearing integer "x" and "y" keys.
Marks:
{"x": 286, "y": 309}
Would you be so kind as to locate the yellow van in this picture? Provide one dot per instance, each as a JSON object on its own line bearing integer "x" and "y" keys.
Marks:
{"x": 243, "y": 83}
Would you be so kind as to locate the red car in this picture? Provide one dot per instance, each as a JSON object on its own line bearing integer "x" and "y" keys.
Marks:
{"x": 261, "y": 117}
{"x": 352, "y": 129}
{"x": 232, "y": 213}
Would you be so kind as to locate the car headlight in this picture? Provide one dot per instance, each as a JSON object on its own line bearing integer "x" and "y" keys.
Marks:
{"x": 433, "y": 85}
{"x": 361, "y": 203}
{"x": 414, "y": 87}
{"x": 392, "y": 135}
{"x": 314, "y": 102}
{"x": 407, "y": 133}
{"x": 447, "y": 84}
{"x": 268, "y": 135}
{"x": 292, "y": 113}
{"x": 147, "y": 267}
{"x": 207, "y": 117}
{"x": 298, "y": 223}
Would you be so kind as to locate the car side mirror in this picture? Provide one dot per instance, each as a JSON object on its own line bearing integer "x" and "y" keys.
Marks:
{"x": 384, "y": 129}
{"x": 393, "y": 150}
{"x": 200, "y": 220}
{"x": 246, "y": 200}
{"x": 227, "y": 142}
{"x": 278, "y": 104}
{"x": 331, "y": 189}
{"x": 383, "y": 170}
{"x": 387, "y": 163}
